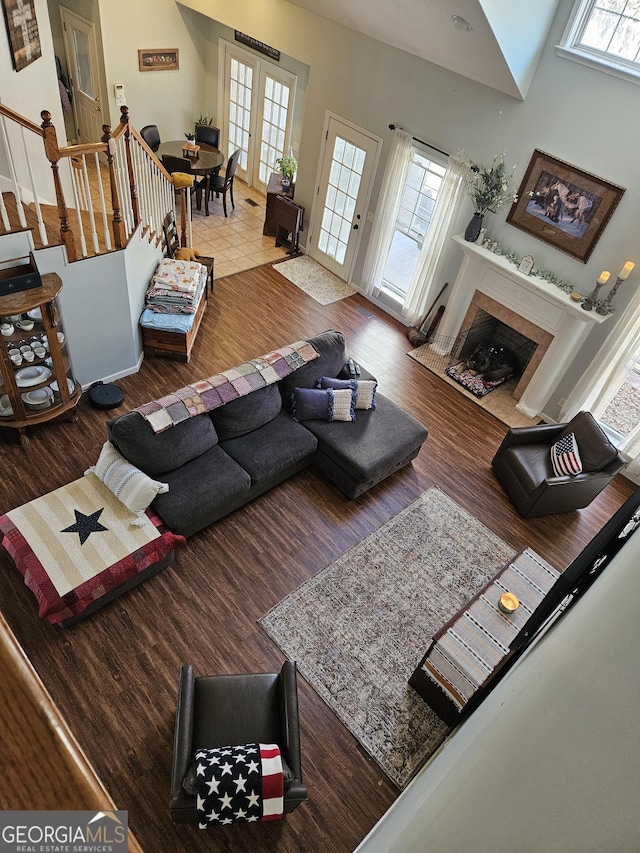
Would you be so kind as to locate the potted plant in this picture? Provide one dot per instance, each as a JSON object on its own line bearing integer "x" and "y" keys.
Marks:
{"x": 190, "y": 136}
{"x": 288, "y": 167}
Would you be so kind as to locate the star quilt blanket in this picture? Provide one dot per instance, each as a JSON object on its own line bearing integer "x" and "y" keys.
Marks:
{"x": 239, "y": 783}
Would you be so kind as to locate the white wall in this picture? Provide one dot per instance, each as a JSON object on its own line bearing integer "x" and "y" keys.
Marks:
{"x": 589, "y": 119}
{"x": 549, "y": 761}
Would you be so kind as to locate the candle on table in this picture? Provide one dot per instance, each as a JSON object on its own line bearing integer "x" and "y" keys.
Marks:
{"x": 623, "y": 275}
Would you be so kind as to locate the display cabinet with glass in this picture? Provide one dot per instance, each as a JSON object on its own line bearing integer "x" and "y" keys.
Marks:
{"x": 36, "y": 379}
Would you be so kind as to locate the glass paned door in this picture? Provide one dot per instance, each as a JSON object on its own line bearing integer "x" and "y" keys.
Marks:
{"x": 349, "y": 160}
{"x": 257, "y": 102}
{"x": 82, "y": 61}
{"x": 240, "y": 103}
{"x": 275, "y": 121}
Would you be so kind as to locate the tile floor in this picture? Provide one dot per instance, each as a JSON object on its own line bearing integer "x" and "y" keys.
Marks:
{"x": 237, "y": 242}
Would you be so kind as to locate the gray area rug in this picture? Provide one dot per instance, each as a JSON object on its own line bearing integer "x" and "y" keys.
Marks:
{"x": 360, "y": 627}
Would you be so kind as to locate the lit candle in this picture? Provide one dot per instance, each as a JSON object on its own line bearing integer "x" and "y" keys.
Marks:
{"x": 604, "y": 277}
{"x": 623, "y": 275}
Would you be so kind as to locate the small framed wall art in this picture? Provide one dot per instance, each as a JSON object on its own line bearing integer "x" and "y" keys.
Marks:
{"x": 563, "y": 206}
{"x": 158, "y": 59}
{"x": 22, "y": 29}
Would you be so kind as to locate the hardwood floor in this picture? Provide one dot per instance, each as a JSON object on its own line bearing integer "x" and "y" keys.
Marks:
{"x": 114, "y": 675}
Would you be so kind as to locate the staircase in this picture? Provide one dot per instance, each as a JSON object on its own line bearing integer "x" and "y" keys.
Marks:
{"x": 93, "y": 214}
{"x": 88, "y": 198}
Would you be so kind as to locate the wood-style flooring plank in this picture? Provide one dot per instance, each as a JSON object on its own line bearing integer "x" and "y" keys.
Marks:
{"x": 114, "y": 675}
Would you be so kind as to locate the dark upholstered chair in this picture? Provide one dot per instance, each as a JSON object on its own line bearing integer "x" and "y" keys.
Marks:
{"x": 523, "y": 466}
{"x": 207, "y": 134}
{"x": 151, "y": 136}
{"x": 218, "y": 184}
{"x": 228, "y": 710}
{"x": 183, "y": 164}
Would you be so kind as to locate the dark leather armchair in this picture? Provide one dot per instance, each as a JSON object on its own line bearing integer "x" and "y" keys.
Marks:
{"x": 227, "y": 710}
{"x": 523, "y": 466}
{"x": 151, "y": 136}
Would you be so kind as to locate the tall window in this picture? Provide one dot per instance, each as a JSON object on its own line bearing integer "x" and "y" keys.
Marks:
{"x": 605, "y": 34}
{"x": 419, "y": 195}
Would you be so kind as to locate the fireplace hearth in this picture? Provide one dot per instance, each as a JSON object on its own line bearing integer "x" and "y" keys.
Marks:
{"x": 531, "y": 306}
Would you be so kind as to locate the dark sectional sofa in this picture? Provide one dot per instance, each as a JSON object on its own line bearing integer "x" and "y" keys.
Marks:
{"x": 219, "y": 460}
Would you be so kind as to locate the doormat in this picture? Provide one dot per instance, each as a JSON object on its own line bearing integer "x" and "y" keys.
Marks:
{"x": 316, "y": 281}
{"x": 359, "y": 628}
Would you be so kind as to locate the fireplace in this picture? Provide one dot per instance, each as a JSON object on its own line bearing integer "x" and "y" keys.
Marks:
{"x": 533, "y": 307}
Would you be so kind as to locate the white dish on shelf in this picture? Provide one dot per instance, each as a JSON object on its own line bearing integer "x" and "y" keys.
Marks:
{"x": 70, "y": 383}
{"x": 25, "y": 325}
{"x": 40, "y": 398}
{"x": 5, "y": 407}
{"x": 27, "y": 376}
{"x": 36, "y": 314}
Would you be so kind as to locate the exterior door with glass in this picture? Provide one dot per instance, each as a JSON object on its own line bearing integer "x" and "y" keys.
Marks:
{"x": 258, "y": 101}
{"x": 82, "y": 63}
{"x": 348, "y": 164}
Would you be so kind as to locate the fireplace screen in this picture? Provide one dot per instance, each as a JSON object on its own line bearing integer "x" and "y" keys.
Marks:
{"x": 488, "y": 354}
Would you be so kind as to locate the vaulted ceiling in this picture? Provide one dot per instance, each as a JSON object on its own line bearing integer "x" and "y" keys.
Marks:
{"x": 501, "y": 50}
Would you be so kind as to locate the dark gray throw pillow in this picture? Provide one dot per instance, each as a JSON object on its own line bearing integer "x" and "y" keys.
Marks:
{"x": 245, "y": 414}
{"x": 156, "y": 453}
{"x": 331, "y": 347}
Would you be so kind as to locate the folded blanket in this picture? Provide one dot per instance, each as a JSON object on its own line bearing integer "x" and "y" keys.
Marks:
{"x": 178, "y": 275}
{"x": 239, "y": 783}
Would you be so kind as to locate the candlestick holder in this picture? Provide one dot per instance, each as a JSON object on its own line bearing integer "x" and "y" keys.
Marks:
{"x": 591, "y": 301}
{"x": 605, "y": 306}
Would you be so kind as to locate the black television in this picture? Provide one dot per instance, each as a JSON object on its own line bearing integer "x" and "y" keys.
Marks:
{"x": 585, "y": 569}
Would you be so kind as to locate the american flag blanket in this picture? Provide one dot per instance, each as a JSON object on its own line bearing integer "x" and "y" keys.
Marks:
{"x": 208, "y": 394}
{"x": 239, "y": 783}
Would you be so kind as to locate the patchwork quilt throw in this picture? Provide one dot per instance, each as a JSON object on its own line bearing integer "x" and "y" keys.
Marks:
{"x": 239, "y": 783}
{"x": 208, "y": 394}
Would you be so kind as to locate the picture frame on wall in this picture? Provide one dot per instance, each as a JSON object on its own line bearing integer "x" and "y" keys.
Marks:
{"x": 158, "y": 59}
{"x": 563, "y": 205}
{"x": 22, "y": 29}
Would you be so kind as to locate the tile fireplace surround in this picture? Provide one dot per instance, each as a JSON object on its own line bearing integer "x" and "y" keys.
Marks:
{"x": 536, "y": 308}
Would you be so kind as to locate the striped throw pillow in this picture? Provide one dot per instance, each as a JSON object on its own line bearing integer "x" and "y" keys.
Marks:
{"x": 129, "y": 484}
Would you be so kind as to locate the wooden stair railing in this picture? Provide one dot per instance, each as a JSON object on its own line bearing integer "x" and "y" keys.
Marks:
{"x": 136, "y": 190}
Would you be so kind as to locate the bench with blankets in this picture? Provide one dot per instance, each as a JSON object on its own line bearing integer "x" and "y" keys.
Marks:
{"x": 175, "y": 302}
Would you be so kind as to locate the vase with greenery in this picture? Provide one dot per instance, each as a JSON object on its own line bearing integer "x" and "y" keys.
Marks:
{"x": 288, "y": 166}
{"x": 190, "y": 136}
{"x": 489, "y": 188}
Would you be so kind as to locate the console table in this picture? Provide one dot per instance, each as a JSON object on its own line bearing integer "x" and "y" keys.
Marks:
{"x": 468, "y": 652}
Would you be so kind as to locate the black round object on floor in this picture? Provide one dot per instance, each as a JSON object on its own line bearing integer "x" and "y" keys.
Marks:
{"x": 105, "y": 395}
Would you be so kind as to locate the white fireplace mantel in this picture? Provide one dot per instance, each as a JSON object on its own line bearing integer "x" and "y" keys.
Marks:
{"x": 537, "y": 301}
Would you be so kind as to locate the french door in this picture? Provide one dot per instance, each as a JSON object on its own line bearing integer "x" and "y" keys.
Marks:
{"x": 257, "y": 110}
{"x": 348, "y": 163}
{"x": 81, "y": 53}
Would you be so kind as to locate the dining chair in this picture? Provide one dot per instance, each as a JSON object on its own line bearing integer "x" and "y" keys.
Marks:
{"x": 183, "y": 164}
{"x": 207, "y": 134}
{"x": 151, "y": 136}
{"x": 218, "y": 184}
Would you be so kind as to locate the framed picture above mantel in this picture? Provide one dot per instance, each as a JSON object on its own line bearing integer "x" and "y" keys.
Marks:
{"x": 563, "y": 205}
{"x": 22, "y": 29}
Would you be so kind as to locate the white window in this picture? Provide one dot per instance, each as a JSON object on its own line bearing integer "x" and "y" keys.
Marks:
{"x": 419, "y": 195}
{"x": 605, "y": 34}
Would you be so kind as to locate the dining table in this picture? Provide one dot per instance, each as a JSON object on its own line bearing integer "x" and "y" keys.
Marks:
{"x": 206, "y": 164}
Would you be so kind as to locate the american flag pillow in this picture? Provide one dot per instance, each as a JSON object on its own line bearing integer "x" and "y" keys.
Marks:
{"x": 565, "y": 457}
